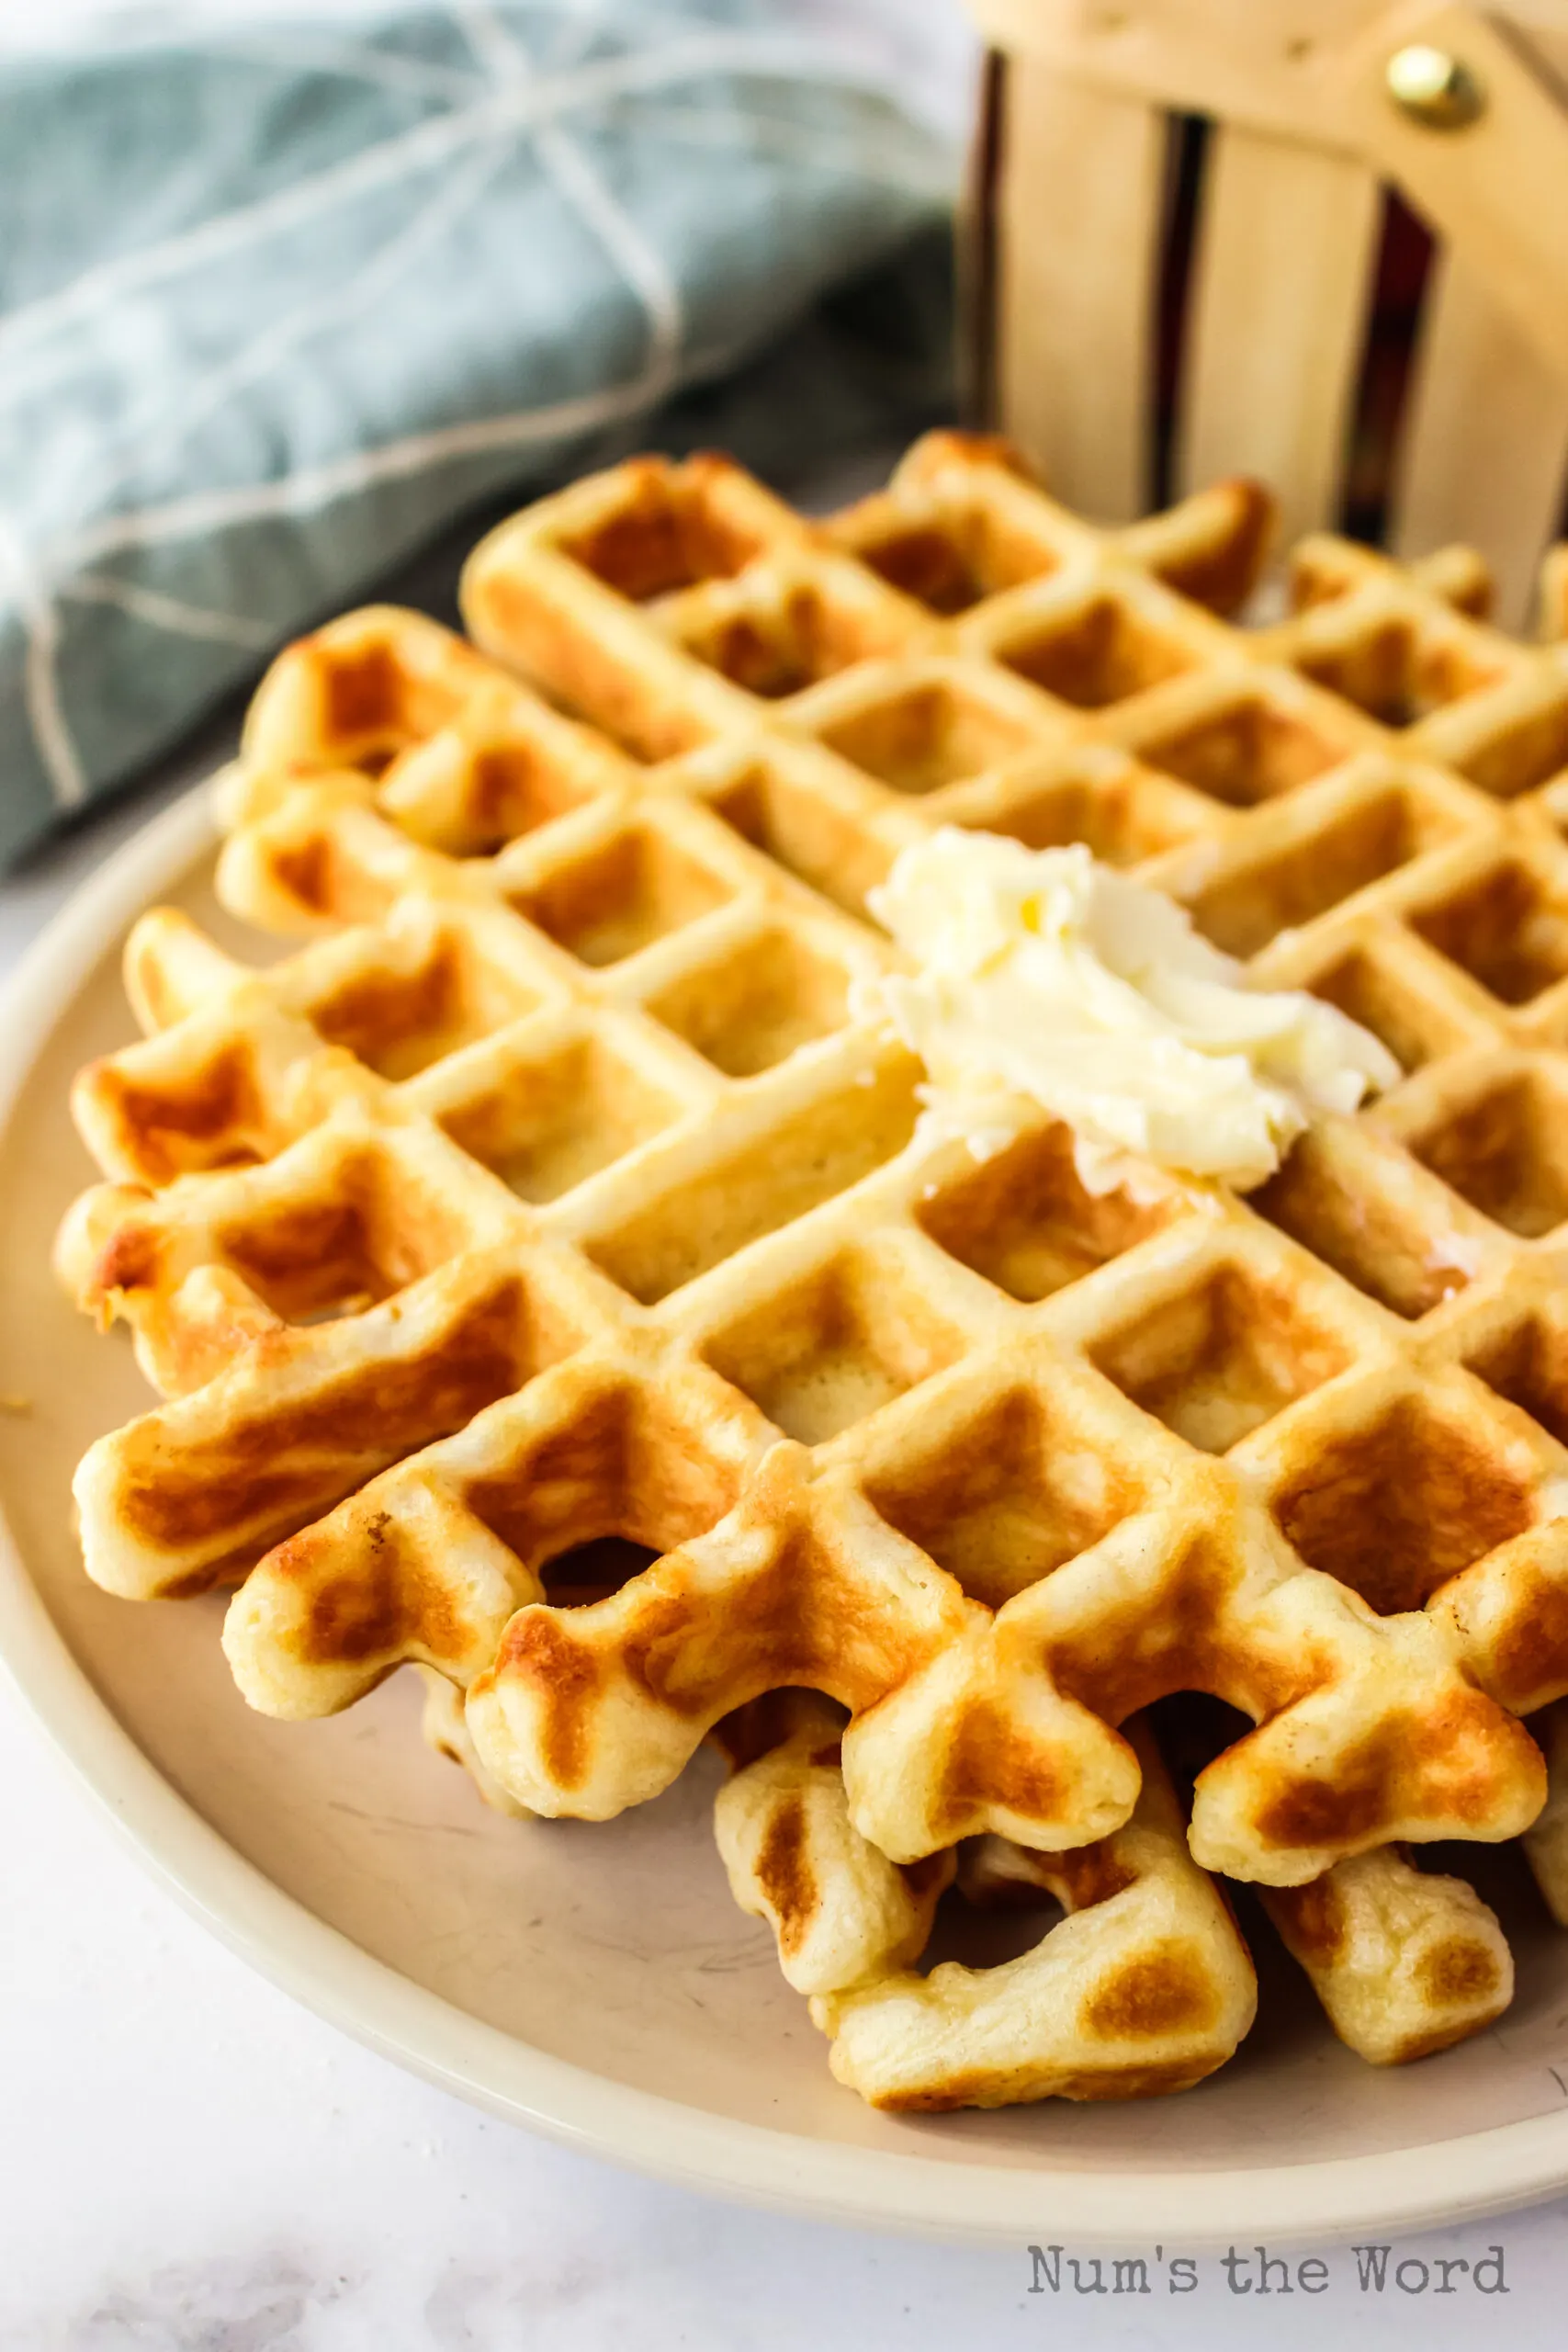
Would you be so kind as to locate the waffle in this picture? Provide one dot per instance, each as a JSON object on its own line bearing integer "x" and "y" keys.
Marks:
{"x": 550, "y": 1195}
{"x": 840, "y": 1912}
{"x": 1146, "y": 1986}
{"x": 1405, "y": 1963}
{"x": 1546, "y": 1844}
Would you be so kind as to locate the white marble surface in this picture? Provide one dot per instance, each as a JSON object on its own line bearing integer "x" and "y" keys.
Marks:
{"x": 189, "y": 2161}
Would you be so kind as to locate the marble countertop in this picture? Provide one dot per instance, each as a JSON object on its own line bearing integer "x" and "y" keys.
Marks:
{"x": 191, "y": 2164}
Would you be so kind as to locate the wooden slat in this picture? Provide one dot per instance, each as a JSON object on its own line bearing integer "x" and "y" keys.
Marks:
{"x": 1270, "y": 64}
{"x": 1485, "y": 450}
{"x": 1078, "y": 229}
{"x": 1281, "y": 284}
{"x": 1291, "y": 66}
{"x": 1498, "y": 190}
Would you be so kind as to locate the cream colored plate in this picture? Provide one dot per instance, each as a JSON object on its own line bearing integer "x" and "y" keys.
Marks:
{"x": 596, "y": 1982}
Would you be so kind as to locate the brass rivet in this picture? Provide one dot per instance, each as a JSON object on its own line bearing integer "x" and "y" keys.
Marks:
{"x": 1434, "y": 87}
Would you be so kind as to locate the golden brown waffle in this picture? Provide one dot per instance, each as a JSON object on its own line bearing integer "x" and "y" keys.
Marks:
{"x": 618, "y": 1213}
{"x": 1145, "y": 1986}
{"x": 1405, "y": 1963}
{"x": 840, "y": 1912}
{"x": 1546, "y": 1844}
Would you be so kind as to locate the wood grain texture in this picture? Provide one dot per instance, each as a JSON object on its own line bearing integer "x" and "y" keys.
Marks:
{"x": 1078, "y": 228}
{"x": 1281, "y": 65}
{"x": 1273, "y": 64}
{"x": 1498, "y": 191}
{"x": 1285, "y": 249}
{"x": 1485, "y": 449}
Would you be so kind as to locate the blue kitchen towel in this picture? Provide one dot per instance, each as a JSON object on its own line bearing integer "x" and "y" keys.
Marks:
{"x": 277, "y": 304}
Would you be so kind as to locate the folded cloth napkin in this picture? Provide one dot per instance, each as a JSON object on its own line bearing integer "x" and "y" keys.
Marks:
{"x": 277, "y": 304}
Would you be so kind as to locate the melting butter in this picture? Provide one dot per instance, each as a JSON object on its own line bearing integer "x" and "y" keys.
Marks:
{"x": 1041, "y": 972}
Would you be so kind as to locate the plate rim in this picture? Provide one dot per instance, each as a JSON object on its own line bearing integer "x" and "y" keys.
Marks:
{"x": 1440, "y": 2182}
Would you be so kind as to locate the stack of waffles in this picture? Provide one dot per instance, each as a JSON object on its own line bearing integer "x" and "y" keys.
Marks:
{"x": 550, "y": 1286}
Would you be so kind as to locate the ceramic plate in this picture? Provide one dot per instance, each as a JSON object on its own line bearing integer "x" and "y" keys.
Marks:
{"x": 596, "y": 1982}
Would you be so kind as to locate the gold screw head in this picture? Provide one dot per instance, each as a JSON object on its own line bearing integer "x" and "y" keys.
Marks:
{"x": 1434, "y": 87}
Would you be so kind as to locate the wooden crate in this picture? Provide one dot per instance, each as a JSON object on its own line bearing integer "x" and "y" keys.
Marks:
{"x": 1184, "y": 214}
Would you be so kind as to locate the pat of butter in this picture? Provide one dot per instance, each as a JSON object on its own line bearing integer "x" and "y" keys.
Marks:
{"x": 1041, "y": 972}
